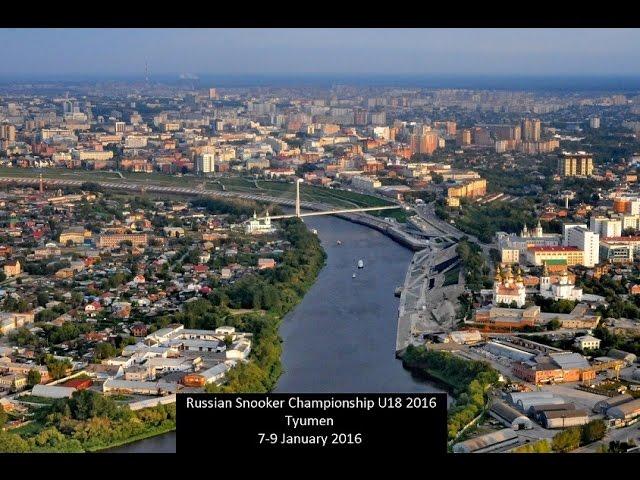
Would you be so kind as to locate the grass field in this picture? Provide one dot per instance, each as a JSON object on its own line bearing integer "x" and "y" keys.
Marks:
{"x": 451, "y": 277}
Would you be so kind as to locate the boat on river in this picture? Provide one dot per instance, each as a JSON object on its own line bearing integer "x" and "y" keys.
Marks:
{"x": 360, "y": 263}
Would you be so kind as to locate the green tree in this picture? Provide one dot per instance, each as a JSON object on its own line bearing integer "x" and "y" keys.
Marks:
{"x": 105, "y": 350}
{"x": 33, "y": 377}
{"x": 57, "y": 368}
{"x": 11, "y": 443}
{"x": 567, "y": 440}
{"x": 3, "y": 418}
{"x": 42, "y": 298}
{"x": 554, "y": 324}
{"x": 593, "y": 431}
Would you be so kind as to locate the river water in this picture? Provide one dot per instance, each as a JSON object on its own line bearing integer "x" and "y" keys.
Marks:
{"x": 341, "y": 337}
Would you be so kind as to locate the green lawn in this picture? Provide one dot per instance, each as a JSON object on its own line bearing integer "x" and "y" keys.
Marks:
{"x": 451, "y": 276}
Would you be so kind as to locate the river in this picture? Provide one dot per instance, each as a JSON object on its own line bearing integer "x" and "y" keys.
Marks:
{"x": 341, "y": 337}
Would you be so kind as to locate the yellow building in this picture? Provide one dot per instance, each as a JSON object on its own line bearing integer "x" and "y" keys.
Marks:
{"x": 12, "y": 269}
{"x": 114, "y": 240}
{"x": 578, "y": 164}
{"x": 75, "y": 235}
{"x": 510, "y": 255}
{"x": 470, "y": 188}
{"x": 572, "y": 255}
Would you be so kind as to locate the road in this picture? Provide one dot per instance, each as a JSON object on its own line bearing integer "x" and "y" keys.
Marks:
{"x": 625, "y": 434}
{"x": 428, "y": 214}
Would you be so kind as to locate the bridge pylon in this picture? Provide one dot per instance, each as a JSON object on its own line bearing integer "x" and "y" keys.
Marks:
{"x": 298, "y": 181}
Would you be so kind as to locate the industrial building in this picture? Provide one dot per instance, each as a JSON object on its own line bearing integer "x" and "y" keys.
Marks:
{"x": 509, "y": 416}
{"x": 488, "y": 443}
{"x": 603, "y": 406}
{"x": 564, "y": 418}
{"x": 625, "y": 411}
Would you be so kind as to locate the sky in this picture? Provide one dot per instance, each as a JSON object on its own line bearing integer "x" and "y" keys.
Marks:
{"x": 115, "y": 52}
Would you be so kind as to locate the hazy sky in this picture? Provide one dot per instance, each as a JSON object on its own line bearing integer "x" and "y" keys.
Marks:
{"x": 346, "y": 51}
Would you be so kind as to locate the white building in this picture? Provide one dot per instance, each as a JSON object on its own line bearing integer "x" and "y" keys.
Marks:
{"x": 563, "y": 289}
{"x": 206, "y": 163}
{"x": 587, "y": 342}
{"x": 586, "y": 240}
{"x": 606, "y": 227}
{"x": 565, "y": 231}
{"x": 365, "y": 183}
{"x": 508, "y": 288}
{"x": 256, "y": 226}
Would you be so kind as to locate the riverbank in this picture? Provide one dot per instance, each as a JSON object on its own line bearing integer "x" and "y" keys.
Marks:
{"x": 467, "y": 380}
{"x": 136, "y": 438}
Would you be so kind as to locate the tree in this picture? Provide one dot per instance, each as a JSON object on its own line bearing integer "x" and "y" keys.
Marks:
{"x": 554, "y": 324}
{"x": 33, "y": 378}
{"x": 76, "y": 298}
{"x": 57, "y": 368}
{"x": 42, "y": 298}
{"x": 593, "y": 431}
{"x": 567, "y": 440}
{"x": 3, "y": 418}
{"x": 105, "y": 350}
{"x": 11, "y": 443}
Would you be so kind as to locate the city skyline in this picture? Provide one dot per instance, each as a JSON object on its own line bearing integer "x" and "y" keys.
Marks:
{"x": 351, "y": 52}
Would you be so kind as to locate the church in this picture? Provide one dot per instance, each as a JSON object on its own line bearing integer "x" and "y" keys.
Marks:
{"x": 256, "y": 226}
{"x": 561, "y": 289}
{"x": 509, "y": 288}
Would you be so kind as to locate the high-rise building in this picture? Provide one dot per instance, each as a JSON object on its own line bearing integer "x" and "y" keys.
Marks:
{"x": 8, "y": 132}
{"x": 378, "y": 118}
{"x": 579, "y": 164}
{"x": 463, "y": 137}
{"x": 206, "y": 163}
{"x": 586, "y": 240}
{"x": 120, "y": 127}
{"x": 606, "y": 227}
{"x": 531, "y": 130}
{"x": 425, "y": 143}
{"x": 480, "y": 136}
{"x": 594, "y": 122}
{"x": 507, "y": 132}
{"x": 359, "y": 116}
{"x": 213, "y": 94}
{"x": 449, "y": 127}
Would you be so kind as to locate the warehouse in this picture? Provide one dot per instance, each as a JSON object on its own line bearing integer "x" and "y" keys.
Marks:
{"x": 625, "y": 411}
{"x": 537, "y": 410}
{"x": 512, "y": 353}
{"x": 604, "y": 405}
{"x": 525, "y": 405}
{"x": 509, "y": 416}
{"x": 513, "y": 397}
{"x": 52, "y": 391}
{"x": 628, "y": 358}
{"x": 564, "y": 418}
{"x": 141, "y": 388}
{"x": 487, "y": 443}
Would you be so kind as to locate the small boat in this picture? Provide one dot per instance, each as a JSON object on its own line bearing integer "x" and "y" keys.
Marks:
{"x": 338, "y": 242}
{"x": 360, "y": 264}
{"x": 398, "y": 291}
{"x": 314, "y": 231}
{"x": 353, "y": 276}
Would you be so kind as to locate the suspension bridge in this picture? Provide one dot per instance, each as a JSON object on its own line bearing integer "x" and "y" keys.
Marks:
{"x": 298, "y": 213}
